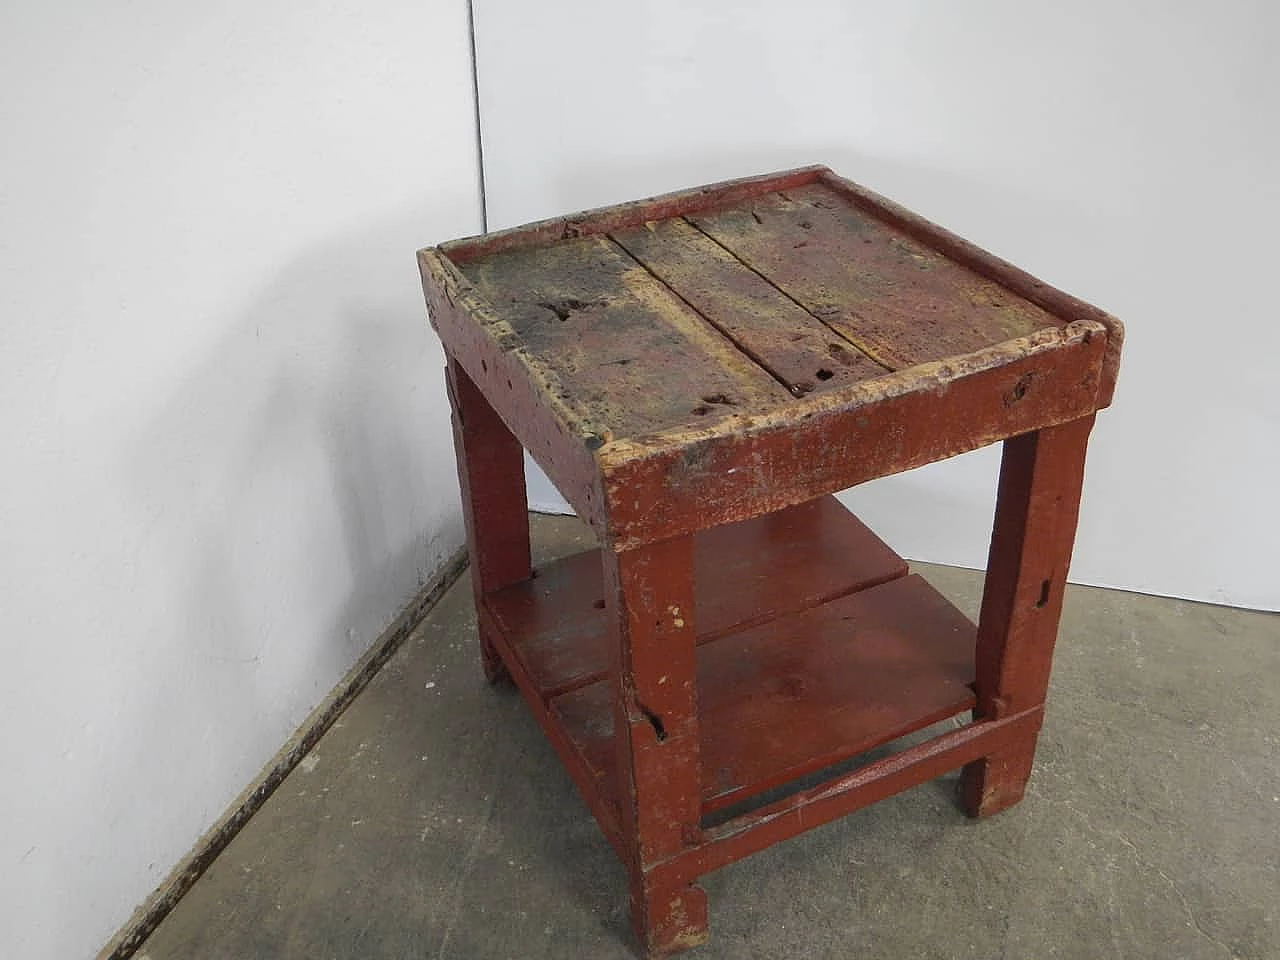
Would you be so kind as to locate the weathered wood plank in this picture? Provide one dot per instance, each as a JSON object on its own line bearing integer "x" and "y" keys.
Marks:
{"x": 796, "y": 347}
{"x": 1062, "y": 305}
{"x": 744, "y": 574}
{"x": 528, "y": 400}
{"x": 631, "y": 358}
{"x": 748, "y": 465}
{"x": 902, "y": 301}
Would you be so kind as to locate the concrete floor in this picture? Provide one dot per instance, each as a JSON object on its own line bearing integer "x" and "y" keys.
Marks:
{"x": 434, "y": 821}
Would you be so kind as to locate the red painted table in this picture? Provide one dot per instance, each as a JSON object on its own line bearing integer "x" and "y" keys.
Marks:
{"x": 698, "y": 373}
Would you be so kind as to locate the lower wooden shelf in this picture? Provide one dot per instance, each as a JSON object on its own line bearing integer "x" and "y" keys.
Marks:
{"x": 807, "y": 691}
{"x": 745, "y": 573}
{"x": 813, "y": 648}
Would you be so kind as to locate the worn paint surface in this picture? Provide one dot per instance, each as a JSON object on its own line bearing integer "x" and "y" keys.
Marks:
{"x": 561, "y": 618}
{"x": 900, "y": 300}
{"x": 798, "y": 349}
{"x": 695, "y": 372}
{"x": 602, "y": 325}
{"x": 1039, "y": 500}
{"x": 809, "y": 690}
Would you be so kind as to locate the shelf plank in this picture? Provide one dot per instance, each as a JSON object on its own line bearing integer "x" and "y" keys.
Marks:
{"x": 745, "y": 573}
{"x": 801, "y": 693}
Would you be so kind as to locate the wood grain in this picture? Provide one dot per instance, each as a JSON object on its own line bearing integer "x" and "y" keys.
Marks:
{"x": 806, "y": 691}
{"x": 602, "y": 325}
{"x": 745, "y": 573}
{"x": 799, "y": 350}
{"x": 901, "y": 301}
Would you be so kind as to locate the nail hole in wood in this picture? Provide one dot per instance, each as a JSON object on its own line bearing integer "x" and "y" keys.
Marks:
{"x": 655, "y": 721}
{"x": 566, "y": 307}
{"x": 1019, "y": 390}
{"x": 824, "y": 374}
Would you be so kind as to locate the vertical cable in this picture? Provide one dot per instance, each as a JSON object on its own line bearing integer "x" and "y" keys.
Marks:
{"x": 475, "y": 95}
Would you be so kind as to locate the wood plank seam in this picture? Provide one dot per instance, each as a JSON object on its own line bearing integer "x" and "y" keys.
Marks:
{"x": 990, "y": 266}
{"x": 862, "y": 348}
{"x": 598, "y": 801}
{"x": 741, "y": 347}
{"x": 890, "y": 291}
{"x": 562, "y": 639}
{"x": 549, "y": 693}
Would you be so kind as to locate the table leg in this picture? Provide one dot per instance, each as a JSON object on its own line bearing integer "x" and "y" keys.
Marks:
{"x": 1041, "y": 474}
{"x": 649, "y": 593}
{"x": 494, "y": 507}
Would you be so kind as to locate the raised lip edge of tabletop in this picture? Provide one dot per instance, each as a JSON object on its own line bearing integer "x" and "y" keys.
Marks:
{"x": 1059, "y": 366}
{"x": 738, "y": 464}
{"x": 632, "y": 213}
{"x": 584, "y": 464}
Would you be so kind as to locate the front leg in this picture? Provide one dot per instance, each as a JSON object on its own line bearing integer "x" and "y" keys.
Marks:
{"x": 650, "y": 595}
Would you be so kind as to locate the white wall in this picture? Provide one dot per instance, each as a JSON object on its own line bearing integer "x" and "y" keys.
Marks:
{"x": 1126, "y": 152}
{"x": 226, "y": 455}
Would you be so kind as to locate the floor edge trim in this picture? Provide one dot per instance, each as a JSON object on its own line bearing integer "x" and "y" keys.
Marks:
{"x": 189, "y": 869}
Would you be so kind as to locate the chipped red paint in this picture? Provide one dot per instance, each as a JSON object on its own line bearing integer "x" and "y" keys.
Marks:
{"x": 697, "y": 373}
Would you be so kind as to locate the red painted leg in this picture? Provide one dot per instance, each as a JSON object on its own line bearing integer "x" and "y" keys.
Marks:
{"x": 649, "y": 591}
{"x": 667, "y": 919}
{"x": 1039, "y": 501}
{"x": 494, "y": 508}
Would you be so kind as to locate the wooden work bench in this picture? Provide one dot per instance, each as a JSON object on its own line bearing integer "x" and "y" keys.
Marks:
{"x": 698, "y": 373}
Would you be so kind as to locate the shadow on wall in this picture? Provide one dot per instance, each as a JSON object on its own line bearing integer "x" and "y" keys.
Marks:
{"x": 297, "y": 487}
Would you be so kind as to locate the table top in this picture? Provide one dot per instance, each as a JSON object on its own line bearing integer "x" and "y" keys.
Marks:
{"x": 747, "y": 304}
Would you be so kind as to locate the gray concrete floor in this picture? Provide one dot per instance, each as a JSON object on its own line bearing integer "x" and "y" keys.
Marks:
{"x": 434, "y": 821}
